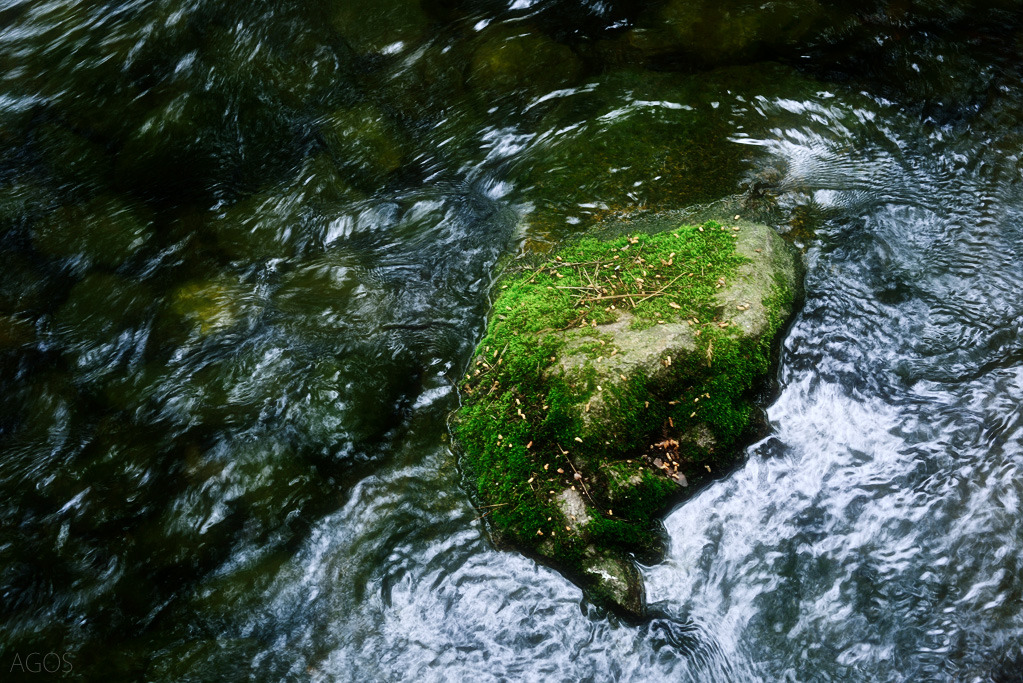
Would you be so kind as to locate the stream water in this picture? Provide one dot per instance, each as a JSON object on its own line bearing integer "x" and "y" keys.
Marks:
{"x": 247, "y": 251}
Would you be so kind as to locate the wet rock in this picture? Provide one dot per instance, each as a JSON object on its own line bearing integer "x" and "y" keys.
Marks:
{"x": 512, "y": 60}
{"x": 15, "y": 332}
{"x": 616, "y": 581}
{"x": 612, "y": 377}
{"x": 260, "y": 227}
{"x": 105, "y": 231}
{"x": 380, "y": 27}
{"x": 711, "y": 33}
{"x": 635, "y": 139}
{"x": 210, "y": 306}
{"x": 364, "y": 142}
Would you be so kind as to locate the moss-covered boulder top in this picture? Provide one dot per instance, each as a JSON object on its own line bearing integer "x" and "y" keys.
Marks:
{"x": 611, "y": 379}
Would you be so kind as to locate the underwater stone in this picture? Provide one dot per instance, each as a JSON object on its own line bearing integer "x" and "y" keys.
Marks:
{"x": 73, "y": 158}
{"x": 509, "y": 61}
{"x": 613, "y": 375}
{"x": 15, "y": 332}
{"x": 208, "y": 306}
{"x": 363, "y": 142}
{"x": 374, "y": 27}
{"x": 260, "y": 227}
{"x": 722, "y": 32}
{"x": 105, "y": 231}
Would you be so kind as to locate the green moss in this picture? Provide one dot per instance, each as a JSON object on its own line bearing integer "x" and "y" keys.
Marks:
{"x": 521, "y": 423}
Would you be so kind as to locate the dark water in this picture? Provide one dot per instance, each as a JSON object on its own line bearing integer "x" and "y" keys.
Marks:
{"x": 247, "y": 250}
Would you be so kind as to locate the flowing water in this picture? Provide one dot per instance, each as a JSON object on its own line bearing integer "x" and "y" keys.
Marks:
{"x": 247, "y": 252}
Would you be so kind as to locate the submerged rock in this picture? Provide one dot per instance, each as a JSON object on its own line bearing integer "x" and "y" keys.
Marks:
{"x": 630, "y": 139}
{"x": 712, "y": 32}
{"x": 105, "y": 231}
{"x": 510, "y": 60}
{"x": 364, "y": 142}
{"x": 208, "y": 307}
{"x": 374, "y": 27}
{"x": 612, "y": 378}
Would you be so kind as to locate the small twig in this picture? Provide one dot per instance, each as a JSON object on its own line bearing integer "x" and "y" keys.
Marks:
{"x": 558, "y": 264}
{"x": 580, "y": 480}
{"x": 617, "y": 296}
{"x": 659, "y": 290}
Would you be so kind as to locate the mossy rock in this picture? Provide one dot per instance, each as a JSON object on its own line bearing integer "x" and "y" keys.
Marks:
{"x": 206, "y": 307}
{"x": 612, "y": 379}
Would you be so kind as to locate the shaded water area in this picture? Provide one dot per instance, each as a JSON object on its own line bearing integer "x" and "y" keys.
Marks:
{"x": 247, "y": 249}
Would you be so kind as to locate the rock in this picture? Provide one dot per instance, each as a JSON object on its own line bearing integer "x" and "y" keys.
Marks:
{"x": 632, "y": 139}
{"x": 375, "y": 27}
{"x": 260, "y": 227}
{"x": 105, "y": 231}
{"x": 511, "y": 59}
{"x": 364, "y": 142}
{"x": 15, "y": 332}
{"x": 631, "y": 361}
{"x": 709, "y": 33}
{"x": 208, "y": 307}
